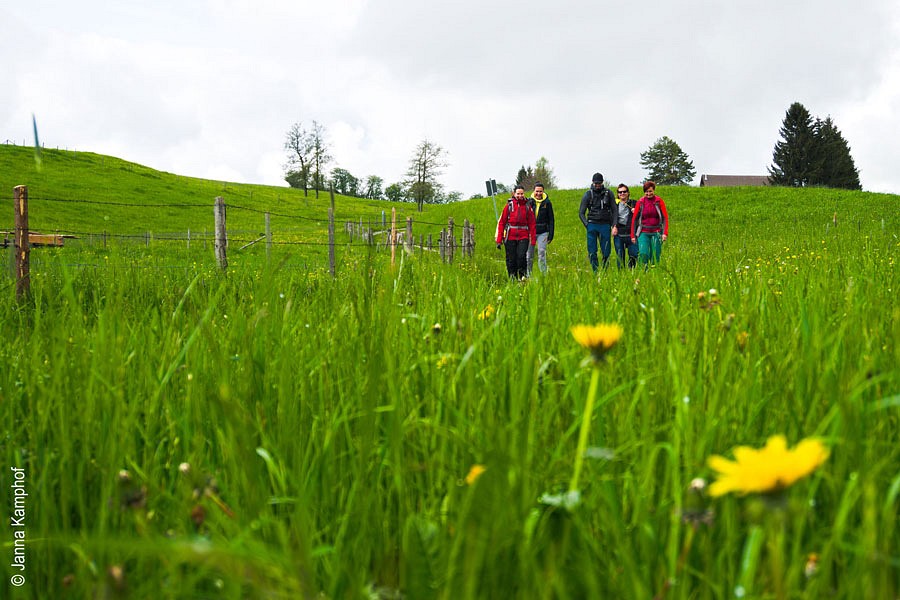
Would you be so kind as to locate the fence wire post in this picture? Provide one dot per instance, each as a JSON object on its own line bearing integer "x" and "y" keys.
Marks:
{"x": 221, "y": 236}
{"x": 451, "y": 241}
{"x": 268, "y": 236}
{"x": 22, "y": 243}
{"x": 331, "y": 233}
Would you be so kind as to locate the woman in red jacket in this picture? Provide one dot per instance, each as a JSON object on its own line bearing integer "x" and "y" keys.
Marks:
{"x": 516, "y": 227}
{"x": 650, "y": 225}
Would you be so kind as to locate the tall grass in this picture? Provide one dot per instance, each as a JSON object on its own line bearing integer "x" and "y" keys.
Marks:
{"x": 273, "y": 432}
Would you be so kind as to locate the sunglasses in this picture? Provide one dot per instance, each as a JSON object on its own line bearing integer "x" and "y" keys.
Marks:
{"x": 623, "y": 192}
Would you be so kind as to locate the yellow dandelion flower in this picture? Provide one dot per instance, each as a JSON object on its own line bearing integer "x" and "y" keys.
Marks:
{"x": 742, "y": 339}
{"x": 597, "y": 338}
{"x": 487, "y": 313}
{"x": 474, "y": 473}
{"x": 766, "y": 470}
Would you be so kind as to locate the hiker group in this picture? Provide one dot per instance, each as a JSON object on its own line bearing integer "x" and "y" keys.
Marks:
{"x": 635, "y": 228}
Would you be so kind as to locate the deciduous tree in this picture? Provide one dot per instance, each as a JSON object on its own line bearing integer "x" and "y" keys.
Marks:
{"x": 425, "y": 167}
{"x": 373, "y": 187}
{"x": 297, "y": 143}
{"x": 319, "y": 155}
{"x": 396, "y": 192}
{"x": 344, "y": 182}
{"x": 544, "y": 174}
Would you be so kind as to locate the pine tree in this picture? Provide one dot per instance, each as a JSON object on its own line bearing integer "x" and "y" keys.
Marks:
{"x": 834, "y": 166}
{"x": 812, "y": 153}
{"x": 794, "y": 156}
{"x": 667, "y": 163}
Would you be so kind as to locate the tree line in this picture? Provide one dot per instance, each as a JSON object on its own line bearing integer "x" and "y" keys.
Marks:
{"x": 309, "y": 156}
{"x": 811, "y": 152}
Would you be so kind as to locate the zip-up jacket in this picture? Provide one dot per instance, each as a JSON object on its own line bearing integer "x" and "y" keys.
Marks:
{"x": 516, "y": 222}
{"x": 543, "y": 216}
{"x": 598, "y": 207}
{"x": 625, "y": 212}
{"x": 650, "y": 216}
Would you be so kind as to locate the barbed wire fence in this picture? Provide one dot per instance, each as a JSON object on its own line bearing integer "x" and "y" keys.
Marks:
{"x": 359, "y": 232}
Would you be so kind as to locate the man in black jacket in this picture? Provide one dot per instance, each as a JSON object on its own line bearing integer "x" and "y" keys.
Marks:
{"x": 598, "y": 213}
{"x": 544, "y": 226}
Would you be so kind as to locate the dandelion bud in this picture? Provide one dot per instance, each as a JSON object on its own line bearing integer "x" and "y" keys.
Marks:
{"x": 184, "y": 468}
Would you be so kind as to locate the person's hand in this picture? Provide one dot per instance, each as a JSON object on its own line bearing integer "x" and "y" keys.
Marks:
{"x": 664, "y": 237}
{"x": 633, "y": 240}
{"x": 615, "y": 230}
{"x": 499, "y": 245}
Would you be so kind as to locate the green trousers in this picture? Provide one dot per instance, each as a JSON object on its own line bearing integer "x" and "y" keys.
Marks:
{"x": 649, "y": 248}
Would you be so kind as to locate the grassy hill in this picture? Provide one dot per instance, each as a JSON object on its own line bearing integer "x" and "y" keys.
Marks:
{"x": 414, "y": 430}
{"x": 84, "y": 193}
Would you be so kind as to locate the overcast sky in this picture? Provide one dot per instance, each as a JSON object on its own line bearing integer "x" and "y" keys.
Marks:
{"x": 210, "y": 88}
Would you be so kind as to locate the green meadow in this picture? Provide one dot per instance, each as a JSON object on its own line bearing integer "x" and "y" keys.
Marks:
{"x": 271, "y": 431}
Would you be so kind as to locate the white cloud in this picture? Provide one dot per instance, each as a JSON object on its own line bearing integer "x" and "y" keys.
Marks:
{"x": 209, "y": 89}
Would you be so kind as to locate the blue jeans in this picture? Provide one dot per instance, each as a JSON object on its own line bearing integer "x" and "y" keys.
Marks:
{"x": 601, "y": 231}
{"x": 623, "y": 243}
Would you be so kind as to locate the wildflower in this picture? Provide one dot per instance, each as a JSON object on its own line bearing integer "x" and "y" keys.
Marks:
{"x": 436, "y": 328}
{"x": 770, "y": 469}
{"x": 474, "y": 473}
{"x": 812, "y": 565}
{"x": 487, "y": 313}
{"x": 599, "y": 339}
{"x": 443, "y": 361}
{"x": 742, "y": 338}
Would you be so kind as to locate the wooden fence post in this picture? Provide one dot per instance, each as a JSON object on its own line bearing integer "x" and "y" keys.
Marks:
{"x": 331, "y": 233}
{"x": 22, "y": 243}
{"x": 451, "y": 242}
{"x": 268, "y": 235}
{"x": 221, "y": 235}
{"x": 393, "y": 234}
{"x": 409, "y": 236}
{"x": 441, "y": 245}
{"x": 189, "y": 239}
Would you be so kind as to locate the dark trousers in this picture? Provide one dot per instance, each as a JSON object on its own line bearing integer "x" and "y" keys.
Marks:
{"x": 601, "y": 231}
{"x": 517, "y": 258}
{"x": 623, "y": 244}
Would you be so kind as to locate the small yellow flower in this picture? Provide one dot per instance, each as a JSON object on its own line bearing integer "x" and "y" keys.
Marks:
{"x": 770, "y": 469}
{"x": 487, "y": 313}
{"x": 474, "y": 473}
{"x": 742, "y": 338}
{"x": 597, "y": 338}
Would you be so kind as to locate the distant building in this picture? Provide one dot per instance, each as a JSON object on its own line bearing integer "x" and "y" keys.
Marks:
{"x": 733, "y": 180}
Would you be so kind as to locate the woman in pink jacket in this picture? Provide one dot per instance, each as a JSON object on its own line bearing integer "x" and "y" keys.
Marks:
{"x": 516, "y": 227}
{"x": 650, "y": 225}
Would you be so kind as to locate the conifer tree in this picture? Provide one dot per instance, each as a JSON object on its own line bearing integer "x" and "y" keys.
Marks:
{"x": 812, "y": 153}
{"x": 667, "y": 163}
{"x": 834, "y": 166}
{"x": 793, "y": 157}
